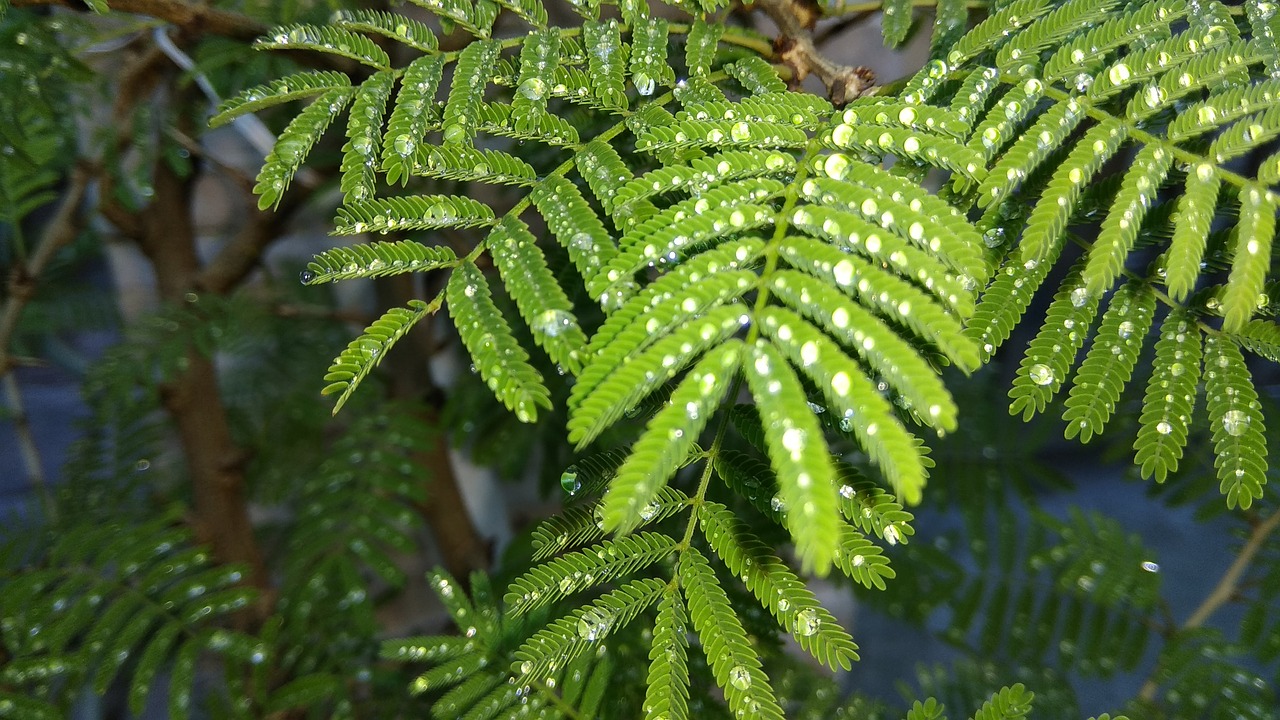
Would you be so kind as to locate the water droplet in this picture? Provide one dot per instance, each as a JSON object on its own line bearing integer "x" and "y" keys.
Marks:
{"x": 739, "y": 677}
{"x": 644, "y": 84}
{"x": 1079, "y": 297}
{"x": 807, "y": 622}
{"x": 404, "y": 145}
{"x": 533, "y": 88}
{"x": 1235, "y": 422}
{"x": 569, "y": 480}
{"x": 1119, "y": 74}
{"x": 778, "y": 504}
{"x": 593, "y": 624}
{"x": 836, "y": 165}
{"x": 993, "y": 238}
{"x": 1164, "y": 428}
{"x": 740, "y": 132}
{"x": 1150, "y": 567}
{"x": 1040, "y": 374}
{"x": 1125, "y": 329}
{"x": 552, "y": 322}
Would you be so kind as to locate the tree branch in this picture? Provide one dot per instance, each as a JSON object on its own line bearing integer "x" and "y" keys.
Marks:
{"x": 795, "y": 49}
{"x": 1226, "y": 588}
{"x": 191, "y": 18}
{"x": 66, "y": 224}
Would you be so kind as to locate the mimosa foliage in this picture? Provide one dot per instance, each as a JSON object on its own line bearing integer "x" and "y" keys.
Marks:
{"x": 753, "y": 296}
{"x": 738, "y": 238}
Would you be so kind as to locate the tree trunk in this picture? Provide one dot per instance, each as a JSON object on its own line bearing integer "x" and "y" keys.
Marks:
{"x": 192, "y": 397}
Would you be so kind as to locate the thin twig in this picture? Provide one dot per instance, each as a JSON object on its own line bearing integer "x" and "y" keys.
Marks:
{"x": 1226, "y": 588}
{"x": 63, "y": 227}
{"x": 192, "y": 18}
{"x": 795, "y": 49}
{"x": 66, "y": 224}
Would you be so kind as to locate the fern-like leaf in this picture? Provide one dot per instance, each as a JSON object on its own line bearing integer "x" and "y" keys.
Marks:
{"x": 777, "y": 588}
{"x": 326, "y": 39}
{"x": 376, "y": 260}
{"x": 295, "y": 143}
{"x": 364, "y": 353}
{"x": 1240, "y": 452}
{"x": 1170, "y": 397}
{"x": 734, "y": 663}
{"x": 670, "y": 437}
{"x": 667, "y": 687}
{"x": 497, "y": 355}
{"x": 1109, "y": 364}
{"x": 541, "y": 302}
{"x": 277, "y": 92}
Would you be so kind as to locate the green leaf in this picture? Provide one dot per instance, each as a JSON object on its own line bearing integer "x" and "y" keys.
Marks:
{"x": 394, "y": 26}
{"x": 326, "y": 39}
{"x": 649, "y": 67}
{"x": 734, "y": 662}
{"x": 895, "y": 21}
{"x": 1109, "y": 364}
{"x": 667, "y": 686}
{"x": 277, "y": 92}
{"x": 1252, "y": 259}
{"x": 1235, "y": 416}
{"x": 412, "y": 212}
{"x": 1051, "y": 354}
{"x": 415, "y": 113}
{"x": 669, "y": 438}
{"x": 498, "y": 357}
{"x": 364, "y": 353}
{"x": 777, "y": 588}
{"x": 798, "y": 453}
{"x": 470, "y": 78}
{"x": 560, "y": 642}
{"x": 585, "y": 569}
{"x": 1192, "y": 222}
{"x": 606, "y": 62}
{"x": 1120, "y": 229}
{"x": 1170, "y": 397}
{"x": 295, "y": 144}
{"x": 542, "y": 304}
{"x": 376, "y": 260}
{"x": 364, "y": 137}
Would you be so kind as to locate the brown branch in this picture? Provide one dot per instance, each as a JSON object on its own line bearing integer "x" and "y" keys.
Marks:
{"x": 795, "y": 48}
{"x": 191, "y": 18}
{"x": 63, "y": 227}
{"x": 1226, "y": 588}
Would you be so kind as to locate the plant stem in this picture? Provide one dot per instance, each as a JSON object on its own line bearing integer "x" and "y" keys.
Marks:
{"x": 1226, "y": 588}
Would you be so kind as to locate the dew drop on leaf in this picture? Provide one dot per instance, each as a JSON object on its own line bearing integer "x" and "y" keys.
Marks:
{"x": 1164, "y": 428}
{"x": 404, "y": 145}
{"x": 739, "y": 677}
{"x": 592, "y": 625}
{"x": 1235, "y": 422}
{"x": 1040, "y": 374}
{"x": 644, "y": 84}
{"x": 1079, "y": 297}
{"x": 569, "y": 480}
{"x": 807, "y": 622}
{"x": 533, "y": 88}
{"x": 552, "y": 322}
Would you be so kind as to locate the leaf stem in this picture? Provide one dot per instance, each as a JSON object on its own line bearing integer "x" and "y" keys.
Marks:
{"x": 568, "y": 710}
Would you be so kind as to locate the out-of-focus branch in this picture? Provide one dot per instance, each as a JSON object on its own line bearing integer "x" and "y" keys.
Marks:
{"x": 1226, "y": 588}
{"x": 795, "y": 48}
{"x": 63, "y": 227}
{"x": 192, "y": 18}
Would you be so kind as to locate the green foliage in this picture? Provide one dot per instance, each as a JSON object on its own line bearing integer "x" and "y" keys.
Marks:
{"x": 102, "y": 596}
{"x": 761, "y": 304}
